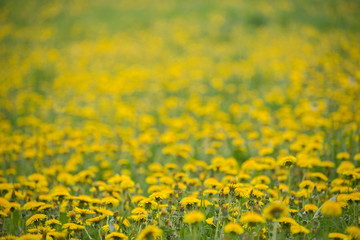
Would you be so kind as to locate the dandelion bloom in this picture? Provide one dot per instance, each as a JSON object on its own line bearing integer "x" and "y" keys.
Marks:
{"x": 157, "y": 196}
{"x": 337, "y": 236}
{"x": 29, "y": 236}
{"x": 116, "y": 236}
{"x": 194, "y": 217}
{"x": 189, "y": 201}
{"x": 110, "y": 201}
{"x": 287, "y": 161}
{"x": 332, "y": 209}
{"x": 210, "y": 221}
{"x": 242, "y": 192}
{"x": 297, "y": 229}
{"x": 96, "y": 219}
{"x": 275, "y": 210}
{"x": 354, "y": 232}
{"x": 73, "y": 227}
{"x": 148, "y": 204}
{"x": 52, "y": 222}
{"x": 126, "y": 184}
{"x": 311, "y": 208}
{"x": 252, "y": 218}
{"x": 35, "y": 218}
{"x": 138, "y": 217}
{"x": 150, "y": 232}
{"x": 32, "y": 205}
{"x": 83, "y": 212}
{"x": 287, "y": 221}
{"x": 233, "y": 228}
{"x": 57, "y": 235}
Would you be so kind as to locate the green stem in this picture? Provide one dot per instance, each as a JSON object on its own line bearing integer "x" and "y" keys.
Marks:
{"x": 289, "y": 192}
{"x": 239, "y": 211}
{"x": 217, "y": 224}
{"x": 274, "y": 231}
{"x": 100, "y": 233}
{"x": 194, "y": 232}
{"x": 87, "y": 233}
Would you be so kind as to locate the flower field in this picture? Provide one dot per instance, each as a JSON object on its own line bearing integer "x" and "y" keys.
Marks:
{"x": 180, "y": 119}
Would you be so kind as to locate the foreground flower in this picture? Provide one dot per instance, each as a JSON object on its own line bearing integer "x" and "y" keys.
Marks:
{"x": 337, "y": 236}
{"x": 35, "y": 218}
{"x": 189, "y": 201}
{"x": 233, "y": 228}
{"x": 96, "y": 219}
{"x": 210, "y": 221}
{"x": 252, "y": 218}
{"x": 194, "y": 217}
{"x": 287, "y": 221}
{"x": 57, "y": 235}
{"x": 149, "y": 232}
{"x": 332, "y": 209}
{"x": 354, "y": 232}
{"x": 275, "y": 210}
{"x": 73, "y": 227}
{"x": 116, "y": 236}
{"x": 287, "y": 161}
{"x": 297, "y": 229}
{"x": 311, "y": 208}
{"x": 148, "y": 204}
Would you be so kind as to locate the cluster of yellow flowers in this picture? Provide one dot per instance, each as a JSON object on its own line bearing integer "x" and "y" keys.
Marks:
{"x": 234, "y": 120}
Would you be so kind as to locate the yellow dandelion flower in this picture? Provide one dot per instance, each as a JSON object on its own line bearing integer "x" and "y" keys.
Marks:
{"x": 52, "y": 222}
{"x": 138, "y": 210}
{"x": 211, "y": 183}
{"x": 147, "y": 203}
{"x": 297, "y": 229}
{"x": 81, "y": 198}
{"x": 275, "y": 210}
{"x": 287, "y": 221}
{"x": 4, "y": 204}
{"x": 83, "y": 212}
{"x": 95, "y": 219}
{"x": 310, "y": 208}
{"x": 337, "y": 236}
{"x": 138, "y": 217}
{"x": 252, "y": 218}
{"x": 242, "y": 192}
{"x": 73, "y": 227}
{"x": 116, "y": 236}
{"x": 209, "y": 192}
{"x": 354, "y": 232}
{"x": 233, "y": 228}
{"x": 126, "y": 184}
{"x": 137, "y": 198}
{"x": 189, "y": 201}
{"x": 57, "y": 235}
{"x": 102, "y": 211}
{"x": 149, "y": 232}
{"x": 343, "y": 156}
{"x": 109, "y": 201}
{"x": 332, "y": 209}
{"x": 32, "y": 205}
{"x": 287, "y": 161}
{"x": 35, "y": 218}
{"x": 194, "y": 217}
{"x": 29, "y": 236}
{"x": 210, "y": 221}
{"x": 157, "y": 196}
{"x": 45, "y": 207}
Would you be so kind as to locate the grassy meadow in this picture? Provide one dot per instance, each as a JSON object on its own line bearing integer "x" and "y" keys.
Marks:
{"x": 211, "y": 120}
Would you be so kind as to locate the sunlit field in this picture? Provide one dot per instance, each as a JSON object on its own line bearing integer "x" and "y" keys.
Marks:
{"x": 180, "y": 119}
